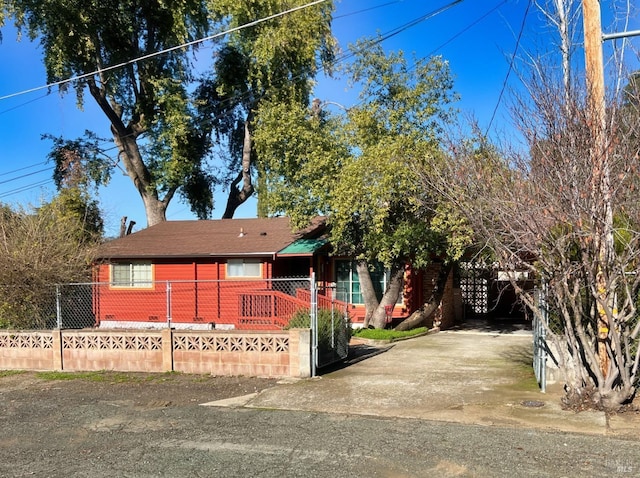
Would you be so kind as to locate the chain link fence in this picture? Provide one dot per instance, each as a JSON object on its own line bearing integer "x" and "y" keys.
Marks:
{"x": 28, "y": 308}
{"x": 262, "y": 304}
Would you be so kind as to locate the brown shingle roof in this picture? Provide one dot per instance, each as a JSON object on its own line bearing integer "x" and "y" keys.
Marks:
{"x": 222, "y": 237}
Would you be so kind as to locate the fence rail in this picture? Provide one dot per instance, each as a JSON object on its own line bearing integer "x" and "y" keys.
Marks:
{"x": 225, "y": 304}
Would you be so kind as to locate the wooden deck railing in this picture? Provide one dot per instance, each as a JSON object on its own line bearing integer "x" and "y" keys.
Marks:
{"x": 267, "y": 309}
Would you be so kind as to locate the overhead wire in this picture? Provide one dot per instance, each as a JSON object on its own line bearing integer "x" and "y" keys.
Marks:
{"x": 24, "y": 176}
{"x": 510, "y": 69}
{"x": 375, "y": 7}
{"x": 342, "y": 58}
{"x": 162, "y": 52}
{"x": 22, "y": 189}
{"x": 467, "y": 28}
{"x": 6, "y": 173}
{"x": 33, "y": 100}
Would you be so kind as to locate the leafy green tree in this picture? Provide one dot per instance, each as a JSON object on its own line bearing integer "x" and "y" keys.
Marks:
{"x": 146, "y": 103}
{"x": 163, "y": 141}
{"x": 362, "y": 168}
{"x": 274, "y": 61}
{"x": 74, "y": 177}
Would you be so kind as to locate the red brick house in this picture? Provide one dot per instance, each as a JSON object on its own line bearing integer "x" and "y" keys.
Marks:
{"x": 229, "y": 273}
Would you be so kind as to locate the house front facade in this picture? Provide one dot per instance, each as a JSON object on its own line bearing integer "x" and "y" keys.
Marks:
{"x": 230, "y": 274}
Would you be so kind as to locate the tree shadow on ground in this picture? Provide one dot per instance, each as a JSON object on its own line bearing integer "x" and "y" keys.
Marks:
{"x": 357, "y": 353}
{"x": 495, "y": 326}
{"x": 519, "y": 354}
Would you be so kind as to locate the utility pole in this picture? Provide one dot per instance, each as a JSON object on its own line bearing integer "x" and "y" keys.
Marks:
{"x": 594, "y": 63}
{"x": 602, "y": 211}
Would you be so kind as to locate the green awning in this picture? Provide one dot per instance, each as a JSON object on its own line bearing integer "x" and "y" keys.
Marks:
{"x": 303, "y": 247}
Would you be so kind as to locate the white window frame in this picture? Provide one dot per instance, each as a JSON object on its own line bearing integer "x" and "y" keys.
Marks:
{"x": 244, "y": 268}
{"x": 138, "y": 276}
{"x": 386, "y": 277}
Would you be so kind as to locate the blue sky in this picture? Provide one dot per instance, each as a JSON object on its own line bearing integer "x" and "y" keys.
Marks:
{"x": 478, "y": 38}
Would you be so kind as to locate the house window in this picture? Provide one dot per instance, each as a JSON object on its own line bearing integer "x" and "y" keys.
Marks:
{"x": 244, "y": 268}
{"x": 348, "y": 283}
{"x": 132, "y": 274}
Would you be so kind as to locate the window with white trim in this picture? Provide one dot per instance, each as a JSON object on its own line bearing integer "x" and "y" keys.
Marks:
{"x": 244, "y": 268}
{"x": 348, "y": 283}
{"x": 131, "y": 274}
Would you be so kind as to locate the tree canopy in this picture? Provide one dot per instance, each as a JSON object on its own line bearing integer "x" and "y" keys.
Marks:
{"x": 361, "y": 167}
{"x": 164, "y": 127}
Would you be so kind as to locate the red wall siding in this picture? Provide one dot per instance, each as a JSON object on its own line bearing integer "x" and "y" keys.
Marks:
{"x": 206, "y": 301}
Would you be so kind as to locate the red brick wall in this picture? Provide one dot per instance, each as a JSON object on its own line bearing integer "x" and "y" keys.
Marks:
{"x": 445, "y": 316}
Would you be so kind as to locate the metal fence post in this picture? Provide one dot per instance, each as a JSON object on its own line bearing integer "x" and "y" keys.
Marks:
{"x": 313, "y": 313}
{"x": 58, "y": 308}
{"x": 168, "y": 304}
{"x": 540, "y": 322}
{"x": 543, "y": 338}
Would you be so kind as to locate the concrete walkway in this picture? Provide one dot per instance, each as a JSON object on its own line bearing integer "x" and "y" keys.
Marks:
{"x": 467, "y": 376}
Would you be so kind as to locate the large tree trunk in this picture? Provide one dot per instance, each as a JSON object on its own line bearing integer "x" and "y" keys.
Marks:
{"x": 125, "y": 137}
{"x": 390, "y": 297}
{"x": 428, "y": 309}
{"x": 154, "y": 207}
{"x": 367, "y": 290}
{"x": 237, "y": 196}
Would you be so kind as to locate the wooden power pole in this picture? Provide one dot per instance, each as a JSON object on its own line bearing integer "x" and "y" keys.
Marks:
{"x": 594, "y": 63}
{"x": 602, "y": 210}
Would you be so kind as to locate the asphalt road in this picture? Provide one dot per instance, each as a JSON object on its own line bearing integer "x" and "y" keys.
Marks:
{"x": 86, "y": 436}
{"x": 446, "y": 405}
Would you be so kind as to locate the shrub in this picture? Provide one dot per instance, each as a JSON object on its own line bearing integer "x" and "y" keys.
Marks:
{"x": 327, "y": 322}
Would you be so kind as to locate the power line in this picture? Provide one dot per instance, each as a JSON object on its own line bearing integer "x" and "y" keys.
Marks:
{"x": 419, "y": 20}
{"x": 25, "y": 188}
{"x": 23, "y": 104}
{"x": 22, "y": 169}
{"x": 166, "y": 50}
{"x": 24, "y": 176}
{"x": 513, "y": 57}
{"x": 375, "y": 7}
{"x": 467, "y": 28}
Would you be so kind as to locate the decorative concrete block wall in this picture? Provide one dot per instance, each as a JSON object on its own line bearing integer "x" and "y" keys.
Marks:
{"x": 29, "y": 350}
{"x": 124, "y": 351}
{"x": 263, "y": 354}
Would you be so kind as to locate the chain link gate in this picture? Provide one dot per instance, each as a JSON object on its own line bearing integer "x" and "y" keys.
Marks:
{"x": 330, "y": 331}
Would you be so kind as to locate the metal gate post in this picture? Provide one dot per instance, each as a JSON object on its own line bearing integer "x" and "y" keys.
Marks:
{"x": 168, "y": 304}
{"x": 540, "y": 322}
{"x": 58, "y": 308}
{"x": 542, "y": 337}
{"x": 313, "y": 315}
